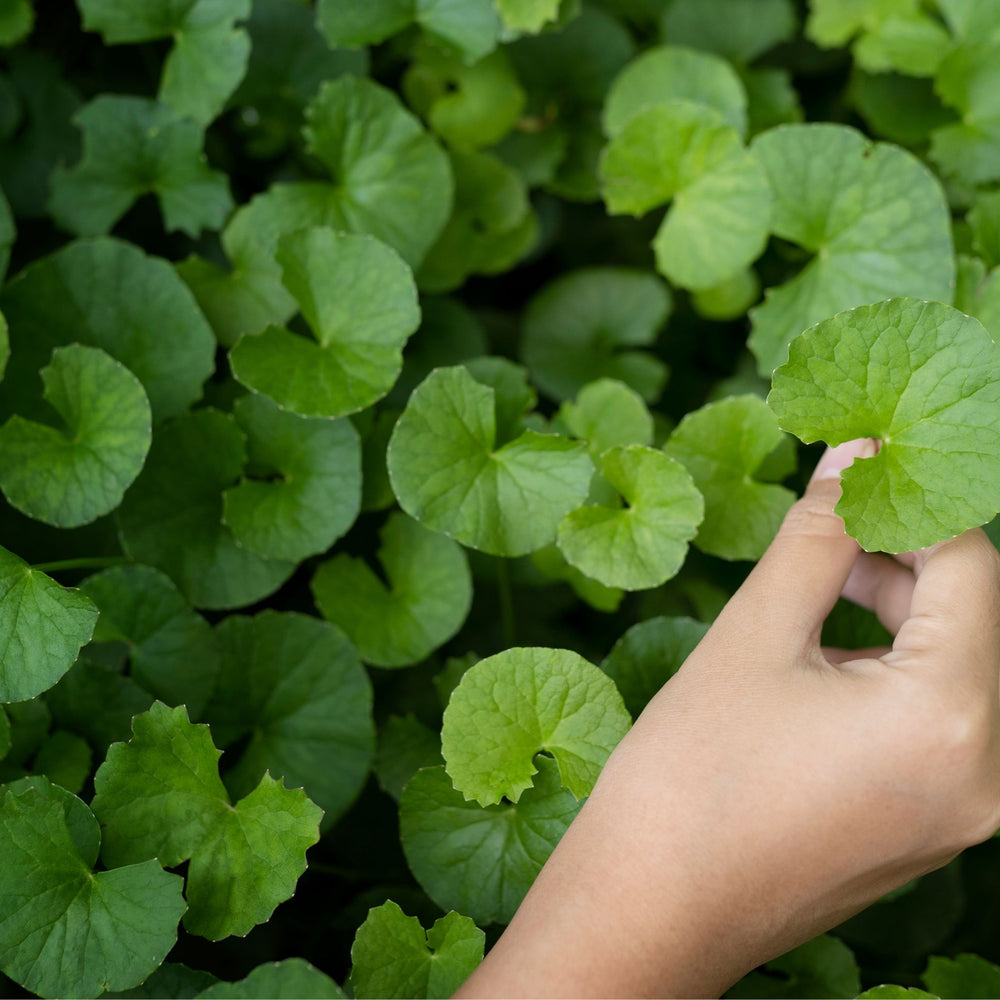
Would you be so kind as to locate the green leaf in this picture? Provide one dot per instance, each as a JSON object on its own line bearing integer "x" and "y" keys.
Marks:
{"x": 963, "y": 976}
{"x": 607, "y": 413}
{"x": 360, "y": 302}
{"x": 42, "y": 626}
{"x": 644, "y": 543}
{"x": 170, "y": 980}
{"x": 552, "y": 563}
{"x": 133, "y": 146}
{"x": 978, "y": 293}
{"x": 393, "y": 956}
{"x": 817, "y": 970}
{"x": 510, "y": 707}
{"x": 479, "y": 861}
{"x": 873, "y": 215}
{"x": 303, "y": 490}
{"x": 65, "y": 759}
{"x": 422, "y": 604}
{"x": 446, "y": 472}
{"x": 527, "y": 15}
{"x": 687, "y": 153}
{"x": 5, "y": 739}
{"x": 470, "y": 29}
{"x": 729, "y": 299}
{"x": 295, "y": 688}
{"x": 17, "y": 18}
{"x": 389, "y": 177}
{"x": 67, "y": 930}
{"x": 512, "y": 394}
{"x": 585, "y": 325}
{"x": 160, "y": 795}
{"x": 924, "y": 379}
{"x": 172, "y": 650}
{"x": 723, "y": 445}
{"x": 171, "y": 518}
{"x": 913, "y": 43}
{"x": 68, "y": 477}
{"x": 648, "y": 655}
{"x": 984, "y": 218}
{"x": 8, "y": 233}
{"x": 491, "y": 227}
{"x": 890, "y": 992}
{"x": 832, "y": 23}
{"x": 292, "y": 979}
{"x": 405, "y": 745}
{"x": 731, "y": 28}
{"x": 108, "y": 294}
{"x": 669, "y": 72}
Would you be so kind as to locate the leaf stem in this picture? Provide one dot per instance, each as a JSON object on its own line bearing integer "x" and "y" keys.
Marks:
{"x": 86, "y": 562}
{"x": 506, "y": 603}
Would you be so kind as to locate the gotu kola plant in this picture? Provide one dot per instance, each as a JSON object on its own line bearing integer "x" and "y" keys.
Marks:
{"x": 392, "y": 395}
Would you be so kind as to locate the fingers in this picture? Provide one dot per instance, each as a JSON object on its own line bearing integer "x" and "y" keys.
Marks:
{"x": 883, "y": 585}
{"x": 800, "y": 577}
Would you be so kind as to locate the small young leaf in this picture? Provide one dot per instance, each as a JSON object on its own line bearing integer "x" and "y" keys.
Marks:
{"x": 317, "y": 493}
{"x": 42, "y": 627}
{"x": 481, "y": 861}
{"x": 71, "y": 477}
{"x": 360, "y": 302}
{"x": 585, "y": 325}
{"x": 172, "y": 650}
{"x": 642, "y": 544}
{"x": 108, "y": 294}
{"x": 292, "y": 979}
{"x": 607, "y": 413}
{"x": 924, "y": 379}
{"x": 527, "y": 15}
{"x": 295, "y": 687}
{"x": 393, "y": 956}
{"x": 962, "y": 976}
{"x": 171, "y": 518}
{"x": 648, "y": 655}
{"x": 133, "y": 146}
{"x": 874, "y": 216}
{"x": 723, "y": 445}
{"x": 522, "y": 702}
{"x": 426, "y": 601}
{"x": 69, "y": 931}
{"x": 446, "y": 473}
{"x": 160, "y": 795}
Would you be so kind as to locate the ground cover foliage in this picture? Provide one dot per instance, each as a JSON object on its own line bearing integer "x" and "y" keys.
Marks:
{"x": 393, "y": 393}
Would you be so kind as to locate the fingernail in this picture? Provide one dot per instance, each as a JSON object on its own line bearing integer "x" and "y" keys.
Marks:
{"x": 835, "y": 460}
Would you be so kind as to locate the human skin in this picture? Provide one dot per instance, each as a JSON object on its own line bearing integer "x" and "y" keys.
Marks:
{"x": 773, "y": 788}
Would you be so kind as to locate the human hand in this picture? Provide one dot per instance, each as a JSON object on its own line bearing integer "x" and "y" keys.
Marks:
{"x": 773, "y": 788}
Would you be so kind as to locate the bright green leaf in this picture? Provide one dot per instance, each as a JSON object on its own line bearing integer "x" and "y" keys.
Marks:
{"x": 723, "y": 445}
{"x": 648, "y": 655}
{"x": 585, "y": 325}
{"x": 393, "y": 956}
{"x": 924, "y": 379}
{"x": 172, "y": 650}
{"x": 303, "y": 490}
{"x": 422, "y": 604}
{"x": 68, "y": 931}
{"x": 730, "y": 299}
{"x": 132, "y": 147}
{"x": 963, "y": 976}
{"x": 160, "y": 795}
{"x": 607, "y": 413}
{"x": 668, "y": 72}
{"x": 71, "y": 476}
{"x": 292, "y": 979}
{"x": 873, "y": 215}
{"x": 171, "y": 518}
{"x": 513, "y": 396}
{"x": 832, "y": 23}
{"x": 687, "y": 153}
{"x": 731, "y": 28}
{"x": 523, "y": 702}
{"x": 42, "y": 626}
{"x": 360, "y": 302}
{"x": 295, "y": 687}
{"x": 644, "y": 543}
{"x": 479, "y": 861}
{"x": 527, "y": 15}
{"x": 446, "y": 471}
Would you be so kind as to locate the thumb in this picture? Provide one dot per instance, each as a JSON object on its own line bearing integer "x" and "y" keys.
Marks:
{"x": 799, "y": 578}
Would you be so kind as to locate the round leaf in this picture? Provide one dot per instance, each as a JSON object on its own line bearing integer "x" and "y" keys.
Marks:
{"x": 732, "y": 28}
{"x": 73, "y": 476}
{"x": 171, "y": 518}
{"x": 644, "y": 543}
{"x": 446, "y": 473}
{"x": 481, "y": 861}
{"x": 522, "y": 702}
{"x": 925, "y": 380}
{"x": 424, "y": 603}
{"x": 607, "y": 413}
{"x": 291, "y": 979}
{"x": 360, "y": 302}
{"x": 304, "y": 487}
{"x": 874, "y": 216}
